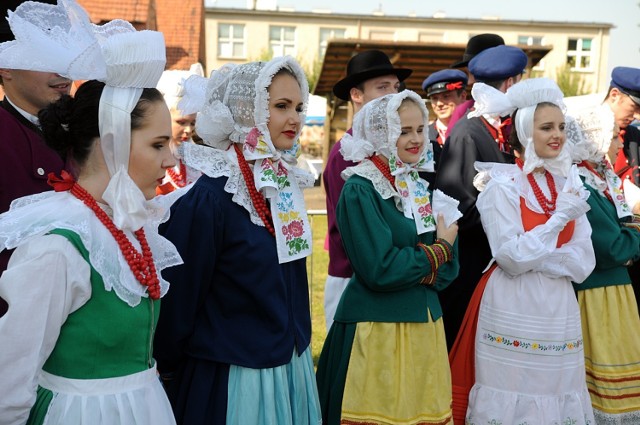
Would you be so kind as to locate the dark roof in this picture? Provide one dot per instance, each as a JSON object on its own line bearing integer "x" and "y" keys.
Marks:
{"x": 423, "y": 58}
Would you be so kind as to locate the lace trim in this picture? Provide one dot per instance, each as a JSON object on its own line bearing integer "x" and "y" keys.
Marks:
{"x": 218, "y": 163}
{"x": 589, "y": 131}
{"x": 366, "y": 169}
{"x": 627, "y": 418}
{"x": 511, "y": 175}
{"x": 37, "y": 215}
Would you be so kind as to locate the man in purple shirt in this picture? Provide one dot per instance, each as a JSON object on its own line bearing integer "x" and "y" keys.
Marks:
{"x": 370, "y": 75}
{"x": 25, "y": 159}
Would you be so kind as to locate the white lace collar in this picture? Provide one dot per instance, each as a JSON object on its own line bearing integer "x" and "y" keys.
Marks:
{"x": 224, "y": 163}
{"x": 37, "y": 215}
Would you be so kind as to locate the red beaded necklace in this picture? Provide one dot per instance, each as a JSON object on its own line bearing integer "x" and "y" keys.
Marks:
{"x": 259, "y": 203}
{"x": 384, "y": 169}
{"x": 547, "y": 205}
{"x": 179, "y": 178}
{"x": 141, "y": 264}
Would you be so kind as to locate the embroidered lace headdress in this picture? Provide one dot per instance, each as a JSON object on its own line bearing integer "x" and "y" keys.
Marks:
{"x": 235, "y": 109}
{"x": 524, "y": 96}
{"x": 376, "y": 129}
{"x": 61, "y": 39}
{"x": 590, "y": 130}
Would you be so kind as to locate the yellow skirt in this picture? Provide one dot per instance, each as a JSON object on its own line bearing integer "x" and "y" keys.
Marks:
{"x": 611, "y": 332}
{"x": 398, "y": 374}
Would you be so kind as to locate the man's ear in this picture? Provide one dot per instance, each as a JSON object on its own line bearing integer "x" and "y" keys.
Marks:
{"x": 614, "y": 94}
{"x": 356, "y": 95}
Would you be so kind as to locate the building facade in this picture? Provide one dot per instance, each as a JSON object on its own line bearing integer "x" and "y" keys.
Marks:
{"x": 240, "y": 35}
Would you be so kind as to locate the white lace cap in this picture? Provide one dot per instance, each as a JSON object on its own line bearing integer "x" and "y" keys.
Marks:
{"x": 376, "y": 128}
{"x": 56, "y": 38}
{"x": 134, "y": 60}
{"x": 237, "y": 100}
{"x": 61, "y": 39}
{"x": 172, "y": 82}
{"x": 524, "y": 97}
{"x": 590, "y": 129}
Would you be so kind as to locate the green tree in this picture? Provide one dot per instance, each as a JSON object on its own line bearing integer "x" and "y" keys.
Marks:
{"x": 571, "y": 83}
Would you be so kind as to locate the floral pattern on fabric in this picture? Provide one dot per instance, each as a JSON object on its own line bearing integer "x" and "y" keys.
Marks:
{"x": 256, "y": 144}
{"x": 523, "y": 344}
{"x": 413, "y": 192}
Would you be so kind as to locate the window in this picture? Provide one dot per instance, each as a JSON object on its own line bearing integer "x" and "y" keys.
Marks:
{"x": 530, "y": 40}
{"x": 282, "y": 40}
{"x": 579, "y": 54}
{"x": 327, "y": 34}
{"x": 231, "y": 41}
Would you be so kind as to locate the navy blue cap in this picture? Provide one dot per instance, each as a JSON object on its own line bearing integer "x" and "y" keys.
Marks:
{"x": 444, "y": 80}
{"x": 627, "y": 80}
{"x": 498, "y": 63}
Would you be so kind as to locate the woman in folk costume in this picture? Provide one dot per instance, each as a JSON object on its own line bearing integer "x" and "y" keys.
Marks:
{"x": 385, "y": 358}
{"x": 83, "y": 284}
{"x": 233, "y": 339}
{"x": 529, "y": 364}
{"x": 171, "y": 85}
{"x": 608, "y": 307}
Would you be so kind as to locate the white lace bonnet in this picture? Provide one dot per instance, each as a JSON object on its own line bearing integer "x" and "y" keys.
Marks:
{"x": 525, "y": 97}
{"x": 377, "y": 127}
{"x": 236, "y": 100}
{"x": 590, "y": 129}
{"x": 61, "y": 39}
{"x": 171, "y": 84}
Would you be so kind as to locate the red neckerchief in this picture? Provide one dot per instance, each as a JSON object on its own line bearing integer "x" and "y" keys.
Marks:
{"x": 622, "y": 167}
{"x": 441, "y": 133}
{"x": 497, "y": 133}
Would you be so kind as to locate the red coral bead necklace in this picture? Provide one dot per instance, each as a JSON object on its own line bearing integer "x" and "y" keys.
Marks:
{"x": 384, "y": 169}
{"x": 259, "y": 203}
{"x": 547, "y": 205}
{"x": 178, "y": 178}
{"x": 141, "y": 264}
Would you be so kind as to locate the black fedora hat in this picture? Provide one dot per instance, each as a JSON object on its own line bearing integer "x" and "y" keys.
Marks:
{"x": 364, "y": 66}
{"x": 5, "y": 30}
{"x": 477, "y": 44}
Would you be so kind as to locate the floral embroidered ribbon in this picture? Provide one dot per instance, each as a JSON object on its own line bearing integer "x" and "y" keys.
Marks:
{"x": 272, "y": 177}
{"x": 413, "y": 193}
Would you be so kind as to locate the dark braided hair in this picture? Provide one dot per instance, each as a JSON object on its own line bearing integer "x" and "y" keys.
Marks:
{"x": 70, "y": 125}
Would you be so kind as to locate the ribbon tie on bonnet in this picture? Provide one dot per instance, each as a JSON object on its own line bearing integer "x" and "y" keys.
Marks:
{"x": 376, "y": 130}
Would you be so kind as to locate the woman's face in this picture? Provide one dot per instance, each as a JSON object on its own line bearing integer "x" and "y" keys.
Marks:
{"x": 150, "y": 153}
{"x": 182, "y": 126}
{"x": 285, "y": 107}
{"x": 548, "y": 131}
{"x": 410, "y": 144}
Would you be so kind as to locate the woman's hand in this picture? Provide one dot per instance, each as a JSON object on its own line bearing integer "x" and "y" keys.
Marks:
{"x": 450, "y": 233}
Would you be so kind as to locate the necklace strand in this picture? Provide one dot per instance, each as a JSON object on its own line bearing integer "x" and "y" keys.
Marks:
{"x": 178, "y": 178}
{"x": 141, "y": 264}
{"x": 384, "y": 169}
{"x": 259, "y": 203}
{"x": 547, "y": 205}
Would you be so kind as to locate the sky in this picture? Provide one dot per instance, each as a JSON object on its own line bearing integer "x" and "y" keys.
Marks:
{"x": 624, "y": 48}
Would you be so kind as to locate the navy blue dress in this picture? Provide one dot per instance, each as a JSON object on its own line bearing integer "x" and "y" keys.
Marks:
{"x": 230, "y": 303}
